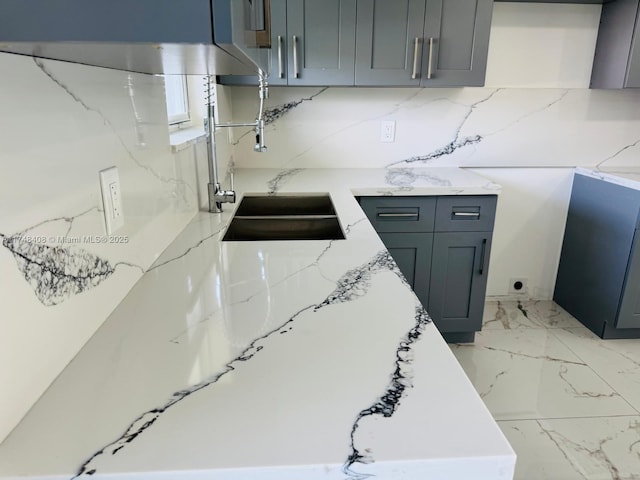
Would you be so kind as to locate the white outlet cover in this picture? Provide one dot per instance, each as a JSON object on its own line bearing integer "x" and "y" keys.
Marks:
{"x": 388, "y": 131}
{"x": 111, "y": 199}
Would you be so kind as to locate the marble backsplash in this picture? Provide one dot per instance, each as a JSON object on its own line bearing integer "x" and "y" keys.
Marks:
{"x": 61, "y": 275}
{"x": 470, "y": 127}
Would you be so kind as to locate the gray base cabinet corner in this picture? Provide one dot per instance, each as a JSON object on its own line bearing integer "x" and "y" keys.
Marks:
{"x": 598, "y": 279}
{"x": 442, "y": 246}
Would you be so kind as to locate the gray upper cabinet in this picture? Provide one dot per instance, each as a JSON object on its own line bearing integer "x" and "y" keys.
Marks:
{"x": 456, "y": 42}
{"x": 616, "y": 63}
{"x": 322, "y": 37}
{"x": 278, "y": 65}
{"x": 312, "y": 43}
{"x": 428, "y": 43}
{"x": 389, "y": 42}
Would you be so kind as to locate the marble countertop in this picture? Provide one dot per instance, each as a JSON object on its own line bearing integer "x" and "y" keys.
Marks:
{"x": 271, "y": 360}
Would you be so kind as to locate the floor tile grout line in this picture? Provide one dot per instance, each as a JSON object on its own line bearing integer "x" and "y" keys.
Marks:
{"x": 595, "y": 372}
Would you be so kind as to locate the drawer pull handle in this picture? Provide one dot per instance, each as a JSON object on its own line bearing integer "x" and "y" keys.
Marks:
{"x": 397, "y": 214}
{"x": 416, "y": 46}
{"x": 280, "y": 69}
{"x": 482, "y": 255}
{"x": 466, "y": 214}
{"x": 429, "y": 66}
{"x": 296, "y": 73}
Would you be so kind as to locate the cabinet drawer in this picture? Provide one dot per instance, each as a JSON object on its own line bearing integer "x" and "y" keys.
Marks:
{"x": 463, "y": 213}
{"x": 400, "y": 214}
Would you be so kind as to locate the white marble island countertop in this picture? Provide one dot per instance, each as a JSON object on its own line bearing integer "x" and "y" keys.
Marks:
{"x": 270, "y": 360}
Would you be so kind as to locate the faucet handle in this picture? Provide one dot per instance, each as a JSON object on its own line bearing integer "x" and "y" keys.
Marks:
{"x": 232, "y": 180}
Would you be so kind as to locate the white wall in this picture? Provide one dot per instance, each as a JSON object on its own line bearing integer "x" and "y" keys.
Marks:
{"x": 539, "y": 45}
{"x": 524, "y": 137}
{"x": 59, "y": 125}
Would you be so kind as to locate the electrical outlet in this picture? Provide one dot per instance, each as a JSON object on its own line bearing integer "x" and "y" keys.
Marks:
{"x": 518, "y": 286}
{"x": 111, "y": 199}
{"x": 388, "y": 131}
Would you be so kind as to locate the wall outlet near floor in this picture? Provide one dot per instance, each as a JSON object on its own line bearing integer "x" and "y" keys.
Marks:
{"x": 518, "y": 285}
{"x": 388, "y": 131}
{"x": 111, "y": 199}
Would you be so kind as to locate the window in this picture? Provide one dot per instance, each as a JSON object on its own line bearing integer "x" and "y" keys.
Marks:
{"x": 177, "y": 98}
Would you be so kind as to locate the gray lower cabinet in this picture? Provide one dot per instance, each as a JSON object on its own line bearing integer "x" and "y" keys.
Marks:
{"x": 442, "y": 246}
{"x": 598, "y": 278}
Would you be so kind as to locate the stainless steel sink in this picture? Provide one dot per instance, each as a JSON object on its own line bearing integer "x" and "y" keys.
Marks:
{"x": 284, "y": 217}
{"x": 278, "y": 205}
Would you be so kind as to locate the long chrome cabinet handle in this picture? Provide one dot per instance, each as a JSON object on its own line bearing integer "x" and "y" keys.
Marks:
{"x": 429, "y": 64}
{"x": 482, "y": 255}
{"x": 397, "y": 214}
{"x": 280, "y": 69}
{"x": 466, "y": 214}
{"x": 414, "y": 73}
{"x": 296, "y": 74}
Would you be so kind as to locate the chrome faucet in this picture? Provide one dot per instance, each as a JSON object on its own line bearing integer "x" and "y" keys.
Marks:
{"x": 218, "y": 196}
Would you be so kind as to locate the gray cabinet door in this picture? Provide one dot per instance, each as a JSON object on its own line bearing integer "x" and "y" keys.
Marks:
{"x": 629, "y": 315}
{"x": 633, "y": 69}
{"x": 321, "y": 37}
{"x": 389, "y": 42}
{"x": 278, "y": 63}
{"x": 412, "y": 254}
{"x": 456, "y": 37}
{"x": 459, "y": 280}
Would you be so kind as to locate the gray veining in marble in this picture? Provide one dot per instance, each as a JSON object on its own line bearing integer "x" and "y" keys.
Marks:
{"x": 274, "y": 113}
{"x": 57, "y": 273}
{"x": 352, "y": 285}
{"x": 404, "y": 178}
{"x": 390, "y": 400}
{"x": 454, "y": 144}
{"x": 107, "y": 122}
{"x": 276, "y": 183}
{"x": 618, "y": 153}
{"x": 201, "y": 242}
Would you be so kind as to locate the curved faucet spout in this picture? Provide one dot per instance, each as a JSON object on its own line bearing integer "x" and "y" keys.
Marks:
{"x": 218, "y": 196}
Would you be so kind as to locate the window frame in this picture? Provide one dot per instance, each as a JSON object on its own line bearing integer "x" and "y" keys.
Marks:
{"x": 172, "y": 91}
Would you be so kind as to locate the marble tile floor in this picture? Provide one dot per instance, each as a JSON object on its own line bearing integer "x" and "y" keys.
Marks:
{"x": 568, "y": 402}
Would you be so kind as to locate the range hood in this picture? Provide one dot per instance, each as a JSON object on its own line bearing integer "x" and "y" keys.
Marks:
{"x": 199, "y": 37}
